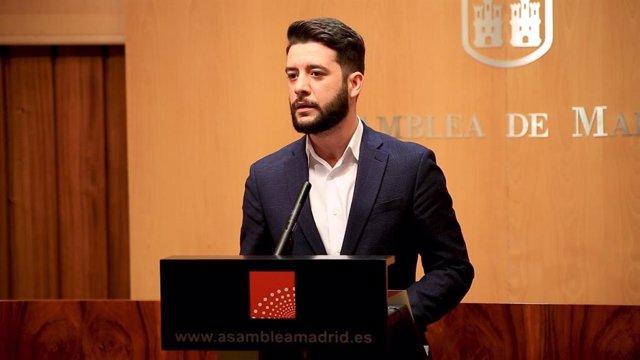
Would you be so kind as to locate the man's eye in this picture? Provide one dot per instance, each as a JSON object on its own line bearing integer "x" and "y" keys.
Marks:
{"x": 316, "y": 73}
{"x": 292, "y": 76}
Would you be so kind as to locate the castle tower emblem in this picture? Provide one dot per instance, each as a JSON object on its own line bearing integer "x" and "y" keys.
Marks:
{"x": 527, "y": 25}
{"x": 488, "y": 24}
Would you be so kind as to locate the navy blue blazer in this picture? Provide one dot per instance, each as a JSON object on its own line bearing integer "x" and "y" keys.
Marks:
{"x": 400, "y": 207}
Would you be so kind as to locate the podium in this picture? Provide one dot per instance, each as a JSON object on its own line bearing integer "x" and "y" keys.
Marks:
{"x": 337, "y": 304}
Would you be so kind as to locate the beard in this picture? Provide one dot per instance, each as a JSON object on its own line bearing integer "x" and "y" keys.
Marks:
{"x": 329, "y": 115}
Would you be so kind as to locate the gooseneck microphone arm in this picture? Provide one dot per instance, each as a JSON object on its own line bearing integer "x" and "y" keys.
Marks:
{"x": 293, "y": 219}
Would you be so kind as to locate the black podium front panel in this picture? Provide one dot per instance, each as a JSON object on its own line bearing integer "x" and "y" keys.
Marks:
{"x": 264, "y": 302}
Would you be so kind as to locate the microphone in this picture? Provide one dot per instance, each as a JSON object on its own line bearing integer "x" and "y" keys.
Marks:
{"x": 293, "y": 219}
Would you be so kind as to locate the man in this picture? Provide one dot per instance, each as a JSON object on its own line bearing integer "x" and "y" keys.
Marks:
{"x": 371, "y": 193}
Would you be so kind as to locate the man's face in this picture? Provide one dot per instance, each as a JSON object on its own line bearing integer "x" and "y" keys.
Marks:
{"x": 318, "y": 94}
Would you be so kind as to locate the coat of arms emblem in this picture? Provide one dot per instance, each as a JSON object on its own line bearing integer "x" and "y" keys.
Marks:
{"x": 508, "y": 34}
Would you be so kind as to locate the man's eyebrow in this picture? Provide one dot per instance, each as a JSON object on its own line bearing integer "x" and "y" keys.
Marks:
{"x": 317, "y": 66}
{"x": 308, "y": 67}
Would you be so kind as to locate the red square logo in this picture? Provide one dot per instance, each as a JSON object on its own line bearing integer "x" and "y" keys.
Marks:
{"x": 272, "y": 295}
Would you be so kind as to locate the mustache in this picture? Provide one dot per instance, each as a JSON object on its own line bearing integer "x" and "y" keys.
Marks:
{"x": 304, "y": 103}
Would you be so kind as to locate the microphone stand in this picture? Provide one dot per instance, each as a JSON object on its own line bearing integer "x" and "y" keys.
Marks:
{"x": 285, "y": 239}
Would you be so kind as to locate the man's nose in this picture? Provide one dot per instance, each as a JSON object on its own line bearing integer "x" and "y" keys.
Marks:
{"x": 301, "y": 85}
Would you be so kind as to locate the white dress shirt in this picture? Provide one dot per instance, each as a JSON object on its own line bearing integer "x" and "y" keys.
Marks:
{"x": 332, "y": 191}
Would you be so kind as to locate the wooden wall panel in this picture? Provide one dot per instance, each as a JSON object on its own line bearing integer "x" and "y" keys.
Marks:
{"x": 565, "y": 193}
{"x": 546, "y": 219}
{"x": 80, "y": 134}
{"x": 131, "y": 330}
{"x": 537, "y": 331}
{"x": 31, "y": 148}
{"x": 65, "y": 200}
{"x": 5, "y": 279}
{"x": 117, "y": 180}
{"x": 61, "y": 22}
{"x": 88, "y": 330}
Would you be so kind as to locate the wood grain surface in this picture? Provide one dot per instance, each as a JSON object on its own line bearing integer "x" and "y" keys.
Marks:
{"x": 5, "y": 268}
{"x": 536, "y": 331}
{"x": 81, "y": 172}
{"x": 64, "y": 184}
{"x": 31, "y": 170}
{"x": 61, "y": 22}
{"x": 117, "y": 329}
{"x": 116, "y": 173}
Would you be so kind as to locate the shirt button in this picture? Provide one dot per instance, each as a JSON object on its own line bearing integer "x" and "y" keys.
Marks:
{"x": 334, "y": 212}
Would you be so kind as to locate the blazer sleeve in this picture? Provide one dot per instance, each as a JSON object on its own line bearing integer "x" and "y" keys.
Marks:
{"x": 448, "y": 271}
{"x": 254, "y": 233}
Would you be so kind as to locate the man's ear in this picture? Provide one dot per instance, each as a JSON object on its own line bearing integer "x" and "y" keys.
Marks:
{"x": 354, "y": 83}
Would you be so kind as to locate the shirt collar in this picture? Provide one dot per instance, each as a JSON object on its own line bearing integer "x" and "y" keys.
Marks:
{"x": 353, "y": 147}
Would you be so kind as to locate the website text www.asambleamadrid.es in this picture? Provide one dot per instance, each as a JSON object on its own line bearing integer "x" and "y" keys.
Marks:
{"x": 275, "y": 337}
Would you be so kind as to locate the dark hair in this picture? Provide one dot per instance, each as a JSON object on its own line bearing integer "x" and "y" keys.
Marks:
{"x": 333, "y": 34}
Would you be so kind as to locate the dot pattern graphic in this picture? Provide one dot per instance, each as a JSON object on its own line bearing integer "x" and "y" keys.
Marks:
{"x": 277, "y": 304}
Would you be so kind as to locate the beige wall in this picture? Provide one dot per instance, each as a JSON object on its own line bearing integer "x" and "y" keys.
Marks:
{"x": 552, "y": 219}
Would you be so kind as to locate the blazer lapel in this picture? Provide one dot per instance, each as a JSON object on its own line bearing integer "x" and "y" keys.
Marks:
{"x": 296, "y": 171}
{"x": 371, "y": 168}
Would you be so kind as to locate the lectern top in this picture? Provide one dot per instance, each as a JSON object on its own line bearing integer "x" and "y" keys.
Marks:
{"x": 388, "y": 259}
